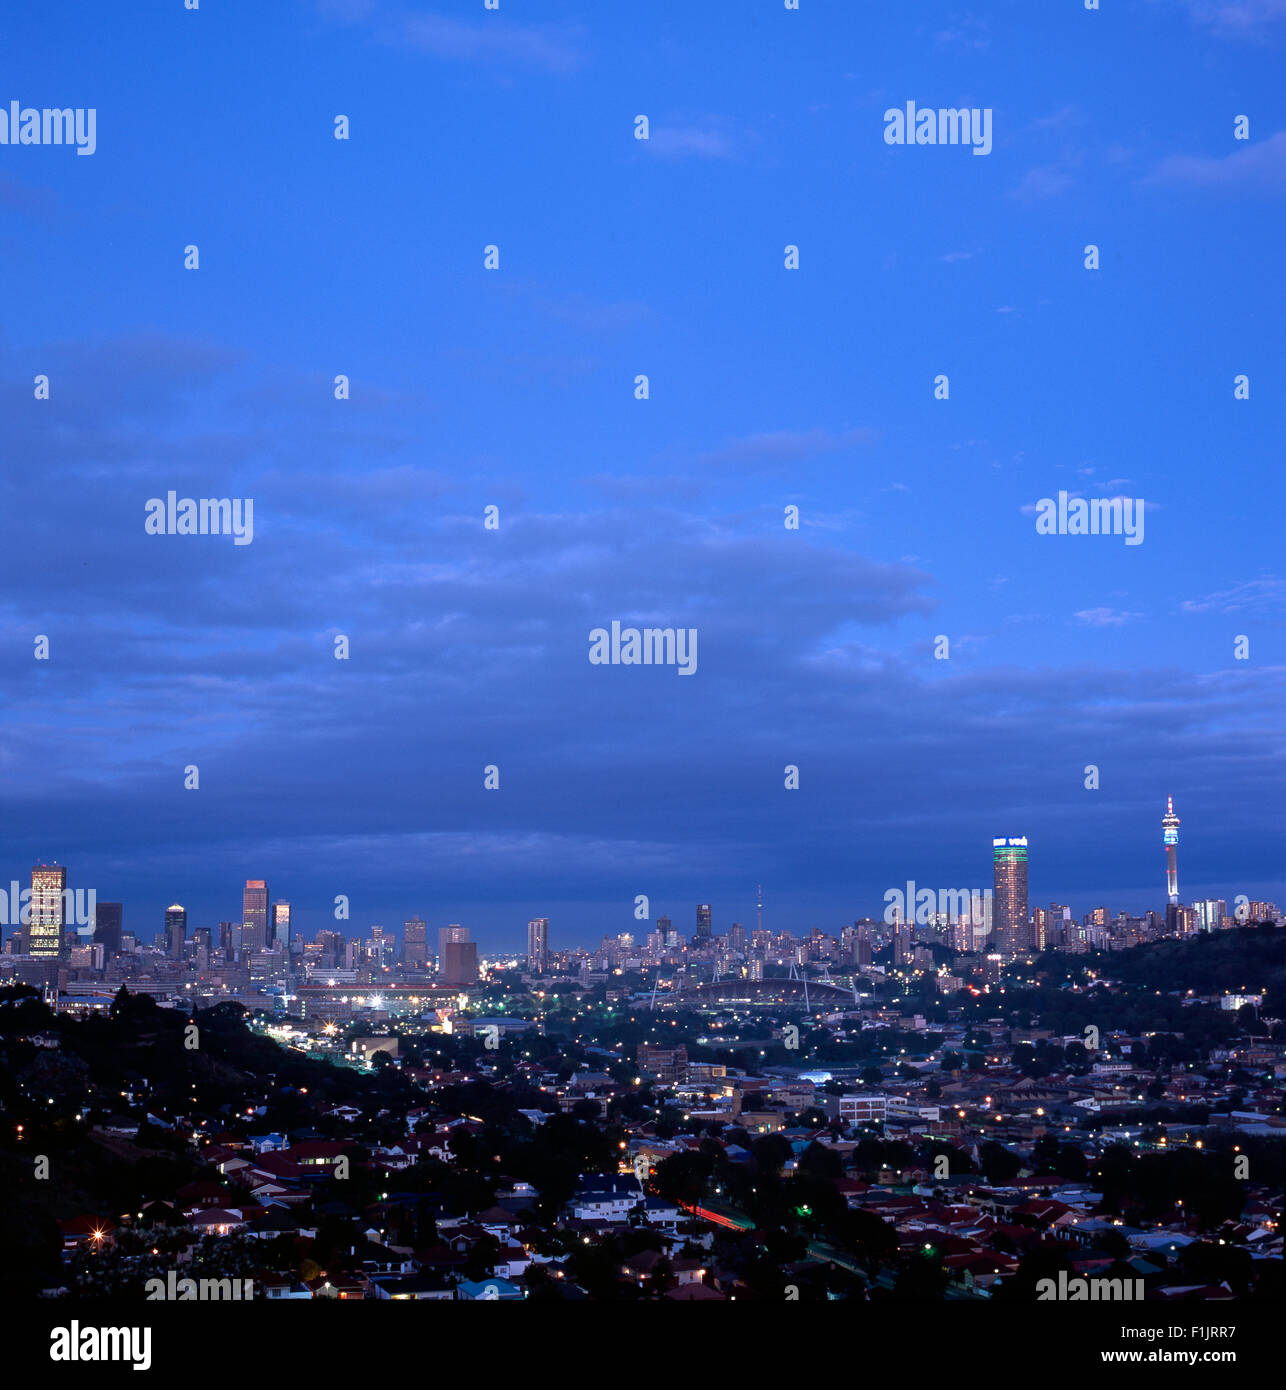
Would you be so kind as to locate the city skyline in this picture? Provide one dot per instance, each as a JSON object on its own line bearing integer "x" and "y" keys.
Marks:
{"x": 514, "y": 389}
{"x": 1017, "y": 921}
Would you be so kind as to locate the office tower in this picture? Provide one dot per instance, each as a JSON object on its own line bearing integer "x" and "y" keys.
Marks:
{"x": 1047, "y": 929}
{"x": 454, "y": 934}
{"x": 1210, "y": 913}
{"x": 903, "y": 942}
{"x": 48, "y": 911}
{"x": 703, "y": 922}
{"x": 538, "y": 945}
{"x": 666, "y": 928}
{"x": 1009, "y": 896}
{"x": 1170, "y": 838}
{"x": 738, "y": 938}
{"x": 281, "y": 927}
{"x": 254, "y": 915}
{"x": 459, "y": 965}
{"x": 415, "y": 944}
{"x": 227, "y": 942}
{"x": 863, "y": 943}
{"x": 379, "y": 949}
{"x": 332, "y": 947}
{"x": 107, "y": 927}
{"x": 176, "y": 930}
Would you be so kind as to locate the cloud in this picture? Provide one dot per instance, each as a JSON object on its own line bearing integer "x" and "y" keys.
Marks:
{"x": 784, "y": 446}
{"x": 495, "y": 39}
{"x": 1255, "y": 167}
{"x": 1104, "y": 617}
{"x": 964, "y": 31}
{"x": 1256, "y": 595}
{"x": 1045, "y": 181}
{"x": 1239, "y": 18}
{"x": 703, "y": 141}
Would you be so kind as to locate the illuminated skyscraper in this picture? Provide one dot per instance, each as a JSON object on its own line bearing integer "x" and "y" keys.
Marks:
{"x": 453, "y": 935}
{"x": 1170, "y": 838}
{"x": 538, "y": 945}
{"x": 48, "y": 911}
{"x": 1009, "y": 896}
{"x": 703, "y": 921}
{"x": 254, "y": 915}
{"x": 415, "y": 944}
{"x": 281, "y": 926}
{"x": 176, "y": 930}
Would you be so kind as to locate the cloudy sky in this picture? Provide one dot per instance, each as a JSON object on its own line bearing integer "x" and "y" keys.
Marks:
{"x": 514, "y": 388}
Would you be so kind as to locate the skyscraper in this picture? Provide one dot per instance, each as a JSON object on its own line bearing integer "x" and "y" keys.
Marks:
{"x": 281, "y": 926}
{"x": 459, "y": 963}
{"x": 538, "y": 945}
{"x": 1009, "y": 896}
{"x": 176, "y": 930}
{"x": 703, "y": 921}
{"x": 254, "y": 915}
{"x": 48, "y": 911}
{"x": 107, "y": 927}
{"x": 1170, "y": 838}
{"x": 415, "y": 943}
{"x": 448, "y": 936}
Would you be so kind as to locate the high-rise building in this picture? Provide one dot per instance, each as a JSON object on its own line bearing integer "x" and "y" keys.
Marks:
{"x": 415, "y": 944}
{"x": 107, "y": 927}
{"x": 48, "y": 911}
{"x": 254, "y": 915}
{"x": 538, "y": 945}
{"x": 459, "y": 963}
{"x": 703, "y": 921}
{"x": 1009, "y": 895}
{"x": 227, "y": 946}
{"x": 666, "y": 929}
{"x": 452, "y": 935}
{"x": 863, "y": 930}
{"x": 1210, "y": 913}
{"x": 1170, "y": 838}
{"x": 332, "y": 944}
{"x": 281, "y": 926}
{"x": 176, "y": 930}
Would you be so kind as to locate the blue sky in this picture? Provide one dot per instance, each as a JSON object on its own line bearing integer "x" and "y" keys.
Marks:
{"x": 514, "y": 388}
